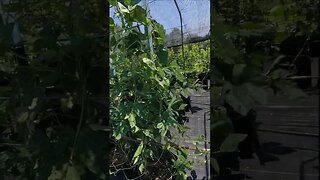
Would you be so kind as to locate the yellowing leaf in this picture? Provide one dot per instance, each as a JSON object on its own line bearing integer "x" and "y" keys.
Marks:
{"x": 138, "y": 152}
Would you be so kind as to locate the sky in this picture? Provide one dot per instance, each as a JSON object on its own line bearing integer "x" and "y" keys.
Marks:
{"x": 195, "y": 15}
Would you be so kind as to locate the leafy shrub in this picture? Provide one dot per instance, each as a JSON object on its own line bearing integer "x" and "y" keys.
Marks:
{"x": 196, "y": 61}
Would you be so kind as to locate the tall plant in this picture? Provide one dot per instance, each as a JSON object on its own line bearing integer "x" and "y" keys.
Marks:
{"x": 144, "y": 94}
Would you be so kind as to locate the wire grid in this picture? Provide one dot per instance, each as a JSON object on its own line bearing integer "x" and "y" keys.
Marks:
{"x": 195, "y": 17}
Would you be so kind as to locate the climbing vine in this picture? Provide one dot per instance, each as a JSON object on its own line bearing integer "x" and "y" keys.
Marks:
{"x": 145, "y": 96}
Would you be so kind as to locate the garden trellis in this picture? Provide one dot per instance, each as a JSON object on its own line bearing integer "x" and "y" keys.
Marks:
{"x": 131, "y": 30}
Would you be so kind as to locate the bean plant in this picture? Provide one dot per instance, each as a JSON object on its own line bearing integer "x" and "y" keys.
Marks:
{"x": 145, "y": 92}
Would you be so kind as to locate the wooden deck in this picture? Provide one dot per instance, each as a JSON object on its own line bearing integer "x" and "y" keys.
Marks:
{"x": 289, "y": 135}
{"x": 288, "y": 132}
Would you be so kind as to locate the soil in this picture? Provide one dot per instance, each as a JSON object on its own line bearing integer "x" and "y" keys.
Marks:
{"x": 156, "y": 170}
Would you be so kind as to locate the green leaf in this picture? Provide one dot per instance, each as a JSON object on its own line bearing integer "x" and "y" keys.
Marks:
{"x": 180, "y": 77}
{"x": 147, "y": 133}
{"x": 67, "y": 103}
{"x": 239, "y": 98}
{"x": 258, "y": 93}
{"x": 129, "y": 2}
{"x": 150, "y": 63}
{"x": 289, "y": 89}
{"x": 138, "y": 151}
{"x": 170, "y": 120}
{"x": 163, "y": 56}
{"x": 276, "y": 62}
{"x": 135, "y": 161}
{"x": 280, "y": 37}
{"x": 113, "y": 2}
{"x": 197, "y": 151}
{"x": 57, "y": 174}
{"x": 181, "y": 176}
{"x": 230, "y": 144}
{"x": 160, "y": 125}
{"x": 182, "y": 106}
{"x": 238, "y": 69}
{"x": 141, "y": 168}
{"x": 162, "y": 129}
{"x": 122, "y": 8}
{"x": 221, "y": 127}
{"x": 277, "y": 10}
{"x": 172, "y": 102}
{"x": 201, "y": 138}
{"x": 111, "y": 24}
{"x": 215, "y": 165}
{"x": 90, "y": 148}
{"x": 132, "y": 121}
{"x": 72, "y": 174}
{"x": 225, "y": 48}
{"x": 23, "y": 117}
{"x": 161, "y": 72}
{"x": 134, "y": 2}
{"x": 139, "y": 14}
{"x": 258, "y": 59}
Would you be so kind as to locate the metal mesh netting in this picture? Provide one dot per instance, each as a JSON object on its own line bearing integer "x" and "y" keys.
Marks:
{"x": 195, "y": 16}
